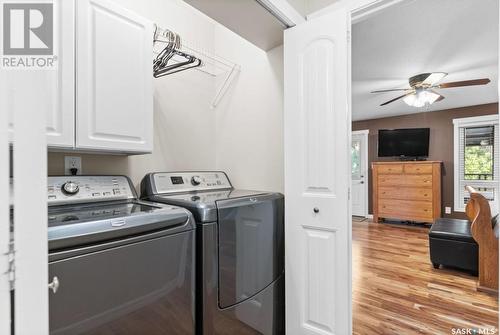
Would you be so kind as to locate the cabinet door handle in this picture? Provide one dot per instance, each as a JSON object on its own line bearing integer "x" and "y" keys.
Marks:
{"x": 54, "y": 285}
{"x": 316, "y": 210}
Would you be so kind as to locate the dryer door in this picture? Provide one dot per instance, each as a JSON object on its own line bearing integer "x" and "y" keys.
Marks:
{"x": 251, "y": 246}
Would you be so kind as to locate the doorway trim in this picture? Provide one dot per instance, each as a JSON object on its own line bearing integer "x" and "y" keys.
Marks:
{"x": 364, "y": 153}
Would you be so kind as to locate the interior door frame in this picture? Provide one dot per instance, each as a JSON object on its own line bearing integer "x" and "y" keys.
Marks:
{"x": 364, "y": 153}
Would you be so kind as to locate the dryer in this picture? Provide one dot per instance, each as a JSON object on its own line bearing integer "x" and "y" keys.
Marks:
{"x": 240, "y": 286}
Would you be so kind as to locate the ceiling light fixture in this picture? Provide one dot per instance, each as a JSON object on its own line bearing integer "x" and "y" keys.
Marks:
{"x": 421, "y": 98}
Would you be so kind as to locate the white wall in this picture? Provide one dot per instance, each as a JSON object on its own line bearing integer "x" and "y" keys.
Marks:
{"x": 242, "y": 136}
{"x": 249, "y": 121}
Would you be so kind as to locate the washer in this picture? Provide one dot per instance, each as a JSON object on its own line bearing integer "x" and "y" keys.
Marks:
{"x": 239, "y": 250}
{"x": 117, "y": 265}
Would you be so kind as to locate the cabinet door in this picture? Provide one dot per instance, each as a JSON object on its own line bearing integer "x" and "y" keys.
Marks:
{"x": 58, "y": 84}
{"x": 114, "y": 92}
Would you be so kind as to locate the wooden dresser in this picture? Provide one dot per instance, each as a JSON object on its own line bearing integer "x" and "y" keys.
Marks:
{"x": 407, "y": 190}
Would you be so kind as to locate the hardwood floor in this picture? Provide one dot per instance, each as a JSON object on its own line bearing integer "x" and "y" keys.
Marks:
{"x": 397, "y": 291}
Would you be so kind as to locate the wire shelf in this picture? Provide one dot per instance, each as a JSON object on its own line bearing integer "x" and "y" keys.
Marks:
{"x": 213, "y": 65}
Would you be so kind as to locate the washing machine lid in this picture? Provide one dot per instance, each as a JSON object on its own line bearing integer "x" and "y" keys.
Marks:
{"x": 203, "y": 204}
{"x": 85, "y": 224}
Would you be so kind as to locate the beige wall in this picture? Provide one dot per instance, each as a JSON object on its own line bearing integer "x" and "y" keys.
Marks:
{"x": 243, "y": 135}
{"x": 440, "y": 146}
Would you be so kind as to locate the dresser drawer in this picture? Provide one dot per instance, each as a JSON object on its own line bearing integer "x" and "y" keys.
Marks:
{"x": 389, "y": 168}
{"x": 405, "y": 208}
{"x": 418, "y": 168}
{"x": 416, "y": 180}
{"x": 405, "y": 193}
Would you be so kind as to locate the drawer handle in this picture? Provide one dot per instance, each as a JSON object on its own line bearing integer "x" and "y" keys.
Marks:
{"x": 316, "y": 210}
{"x": 54, "y": 285}
{"x": 425, "y": 194}
{"x": 425, "y": 210}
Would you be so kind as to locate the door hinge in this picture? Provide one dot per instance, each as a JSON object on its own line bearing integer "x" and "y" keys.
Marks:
{"x": 348, "y": 36}
{"x": 348, "y": 193}
{"x": 11, "y": 270}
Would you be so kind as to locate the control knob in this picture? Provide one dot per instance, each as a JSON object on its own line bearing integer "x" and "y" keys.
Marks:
{"x": 196, "y": 180}
{"x": 70, "y": 188}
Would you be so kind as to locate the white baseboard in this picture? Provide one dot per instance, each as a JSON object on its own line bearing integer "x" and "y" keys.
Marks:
{"x": 369, "y": 216}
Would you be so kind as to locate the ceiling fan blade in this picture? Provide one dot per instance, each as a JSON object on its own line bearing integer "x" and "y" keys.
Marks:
{"x": 439, "y": 98}
{"x": 473, "y": 82}
{"x": 397, "y": 98}
{"x": 433, "y": 78}
{"x": 391, "y": 90}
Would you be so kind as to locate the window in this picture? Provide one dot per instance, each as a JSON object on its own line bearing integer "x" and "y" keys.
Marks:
{"x": 356, "y": 159}
{"x": 476, "y": 157}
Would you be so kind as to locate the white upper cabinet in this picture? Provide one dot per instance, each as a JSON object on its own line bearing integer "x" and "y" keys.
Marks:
{"x": 60, "y": 109}
{"x": 114, "y": 93}
{"x": 99, "y": 97}
{"x": 57, "y": 85}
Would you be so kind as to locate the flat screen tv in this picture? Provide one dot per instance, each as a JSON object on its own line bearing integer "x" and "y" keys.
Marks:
{"x": 404, "y": 143}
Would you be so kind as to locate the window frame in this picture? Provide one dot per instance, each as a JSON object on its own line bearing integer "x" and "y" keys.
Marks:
{"x": 475, "y": 121}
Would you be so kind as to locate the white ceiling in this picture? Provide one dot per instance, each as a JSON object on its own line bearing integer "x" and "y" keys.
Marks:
{"x": 241, "y": 17}
{"x": 306, "y": 7}
{"x": 459, "y": 37}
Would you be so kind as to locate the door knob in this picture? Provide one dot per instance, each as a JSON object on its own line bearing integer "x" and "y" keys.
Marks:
{"x": 54, "y": 285}
{"x": 316, "y": 210}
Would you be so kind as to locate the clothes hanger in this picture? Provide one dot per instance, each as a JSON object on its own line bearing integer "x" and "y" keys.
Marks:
{"x": 189, "y": 63}
{"x": 161, "y": 65}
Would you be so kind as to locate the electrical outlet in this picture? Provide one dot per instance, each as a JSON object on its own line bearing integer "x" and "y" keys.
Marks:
{"x": 72, "y": 162}
{"x": 447, "y": 210}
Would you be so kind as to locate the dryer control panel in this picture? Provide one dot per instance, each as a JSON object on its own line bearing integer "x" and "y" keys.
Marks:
{"x": 82, "y": 189}
{"x": 174, "y": 182}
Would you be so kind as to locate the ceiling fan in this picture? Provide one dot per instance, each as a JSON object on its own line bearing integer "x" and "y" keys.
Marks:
{"x": 422, "y": 86}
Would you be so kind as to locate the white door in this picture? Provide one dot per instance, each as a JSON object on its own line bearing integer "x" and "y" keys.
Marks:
{"x": 359, "y": 171}
{"x": 58, "y": 88}
{"x": 114, "y": 78}
{"x": 317, "y": 177}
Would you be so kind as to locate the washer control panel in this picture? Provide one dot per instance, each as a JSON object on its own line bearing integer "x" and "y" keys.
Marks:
{"x": 80, "y": 189}
{"x": 173, "y": 182}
